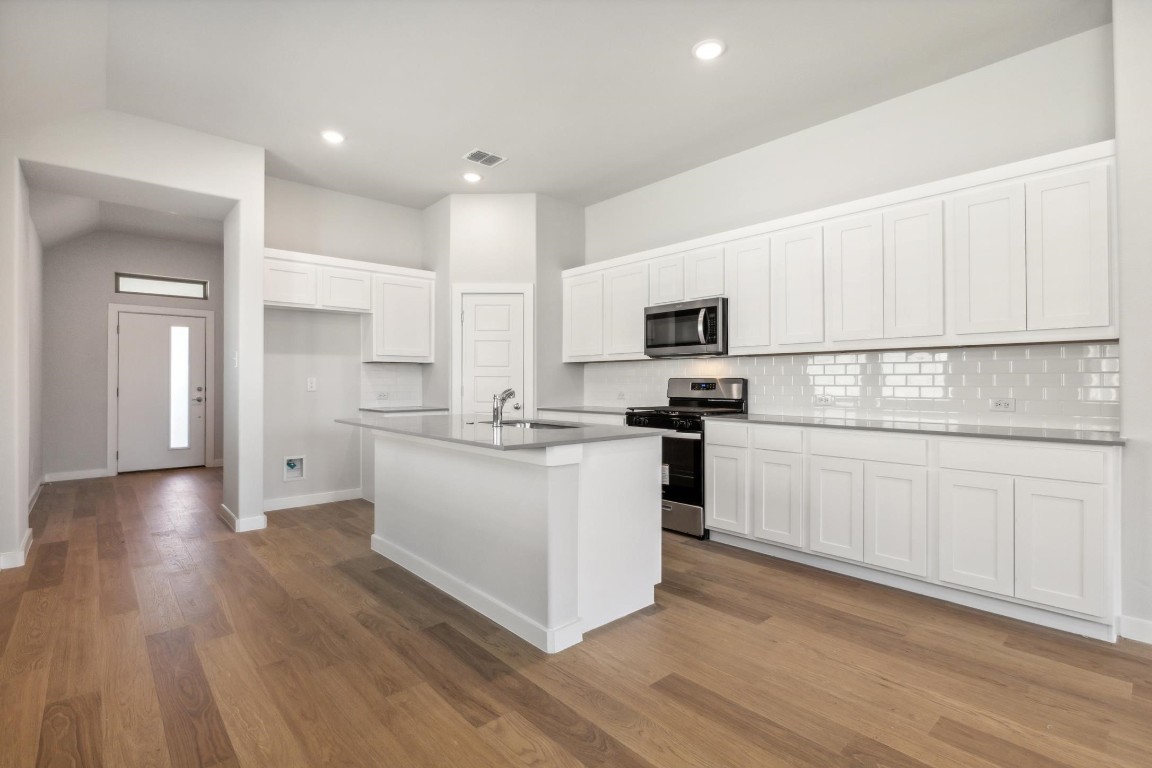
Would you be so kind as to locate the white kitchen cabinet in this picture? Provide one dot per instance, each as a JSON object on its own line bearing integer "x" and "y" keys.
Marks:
{"x": 584, "y": 316}
{"x": 1061, "y": 549}
{"x": 345, "y": 289}
{"x": 401, "y": 323}
{"x": 778, "y": 497}
{"x": 836, "y": 506}
{"x": 896, "y": 517}
{"x": 749, "y": 269}
{"x": 704, "y": 273}
{"x": 914, "y": 270}
{"x": 989, "y": 274}
{"x": 854, "y": 278}
{"x": 290, "y": 282}
{"x": 976, "y": 530}
{"x": 666, "y": 279}
{"x": 1069, "y": 282}
{"x": 797, "y": 303}
{"x": 625, "y": 296}
{"x": 726, "y": 488}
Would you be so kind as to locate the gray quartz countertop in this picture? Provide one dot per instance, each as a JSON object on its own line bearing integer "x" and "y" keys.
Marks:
{"x": 584, "y": 409}
{"x": 470, "y": 430}
{"x": 402, "y": 408}
{"x": 1089, "y": 437}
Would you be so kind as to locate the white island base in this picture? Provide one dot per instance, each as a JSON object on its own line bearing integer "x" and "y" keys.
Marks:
{"x": 547, "y": 542}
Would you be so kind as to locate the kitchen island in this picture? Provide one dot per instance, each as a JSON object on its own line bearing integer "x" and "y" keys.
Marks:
{"x": 549, "y": 532}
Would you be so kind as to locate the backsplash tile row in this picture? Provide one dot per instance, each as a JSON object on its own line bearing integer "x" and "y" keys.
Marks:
{"x": 391, "y": 384}
{"x": 1070, "y": 386}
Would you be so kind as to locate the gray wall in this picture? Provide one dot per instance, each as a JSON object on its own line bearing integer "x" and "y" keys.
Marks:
{"x": 1052, "y": 98}
{"x": 314, "y": 220}
{"x": 437, "y": 233}
{"x": 559, "y": 246}
{"x": 78, "y": 287}
{"x": 299, "y": 345}
{"x": 1133, "y": 24}
{"x": 34, "y": 271}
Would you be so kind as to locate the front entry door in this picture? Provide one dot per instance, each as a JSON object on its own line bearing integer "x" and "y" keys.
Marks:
{"x": 161, "y": 400}
{"x": 493, "y": 354}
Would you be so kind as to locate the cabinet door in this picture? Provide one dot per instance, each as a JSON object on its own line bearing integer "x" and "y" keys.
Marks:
{"x": 704, "y": 273}
{"x": 726, "y": 488}
{"x": 896, "y": 517}
{"x": 749, "y": 269}
{"x": 976, "y": 530}
{"x": 1068, "y": 260}
{"x": 666, "y": 279}
{"x": 289, "y": 282}
{"x": 347, "y": 289}
{"x": 584, "y": 316}
{"x": 836, "y": 507}
{"x": 402, "y": 317}
{"x": 914, "y": 271}
{"x": 1060, "y": 545}
{"x": 854, "y": 278}
{"x": 625, "y": 296}
{"x": 798, "y": 287}
{"x": 987, "y": 253}
{"x": 778, "y": 497}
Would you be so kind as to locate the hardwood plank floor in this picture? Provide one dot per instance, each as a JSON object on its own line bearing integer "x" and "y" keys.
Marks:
{"x": 144, "y": 633}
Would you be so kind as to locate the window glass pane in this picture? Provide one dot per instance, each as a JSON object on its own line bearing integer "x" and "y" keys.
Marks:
{"x": 178, "y": 378}
{"x": 159, "y": 286}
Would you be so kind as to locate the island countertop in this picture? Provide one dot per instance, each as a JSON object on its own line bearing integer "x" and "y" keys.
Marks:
{"x": 470, "y": 430}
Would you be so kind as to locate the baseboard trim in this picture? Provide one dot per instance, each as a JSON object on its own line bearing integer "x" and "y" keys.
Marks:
{"x": 241, "y": 524}
{"x": 1136, "y": 629}
{"x": 548, "y": 640}
{"x": 35, "y": 495}
{"x": 79, "y": 474}
{"x": 215, "y": 463}
{"x": 307, "y": 500}
{"x": 19, "y": 557}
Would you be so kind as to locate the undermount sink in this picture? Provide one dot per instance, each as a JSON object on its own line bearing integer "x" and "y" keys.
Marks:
{"x": 530, "y": 424}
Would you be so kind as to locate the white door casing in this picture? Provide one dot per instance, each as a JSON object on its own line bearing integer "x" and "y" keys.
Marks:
{"x": 162, "y": 391}
{"x": 492, "y": 351}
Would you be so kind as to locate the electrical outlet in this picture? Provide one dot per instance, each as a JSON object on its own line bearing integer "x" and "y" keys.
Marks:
{"x": 619, "y": 395}
{"x": 381, "y": 395}
{"x": 824, "y": 400}
{"x": 311, "y": 384}
{"x": 1002, "y": 404}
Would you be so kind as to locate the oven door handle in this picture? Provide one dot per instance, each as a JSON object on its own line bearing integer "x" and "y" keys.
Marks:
{"x": 684, "y": 436}
{"x": 700, "y": 324}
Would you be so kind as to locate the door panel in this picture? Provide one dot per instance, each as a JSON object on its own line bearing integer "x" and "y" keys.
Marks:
{"x": 160, "y": 414}
{"x": 289, "y": 282}
{"x": 704, "y": 273}
{"x": 854, "y": 278}
{"x": 726, "y": 488}
{"x": 914, "y": 271}
{"x": 987, "y": 253}
{"x": 493, "y": 351}
{"x": 625, "y": 296}
{"x": 896, "y": 517}
{"x": 778, "y": 497}
{"x": 345, "y": 289}
{"x": 798, "y": 287}
{"x": 749, "y": 280}
{"x": 666, "y": 279}
{"x": 976, "y": 530}
{"x": 584, "y": 316}
{"x": 402, "y": 317}
{"x": 836, "y": 507}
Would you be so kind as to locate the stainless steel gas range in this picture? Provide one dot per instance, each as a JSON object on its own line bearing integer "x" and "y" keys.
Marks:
{"x": 689, "y": 401}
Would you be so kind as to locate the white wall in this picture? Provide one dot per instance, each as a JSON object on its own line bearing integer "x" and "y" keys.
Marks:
{"x": 78, "y": 287}
{"x": 34, "y": 271}
{"x": 1133, "y": 30}
{"x": 299, "y": 217}
{"x": 299, "y": 345}
{"x": 559, "y": 246}
{"x": 493, "y": 238}
{"x": 1052, "y": 98}
{"x": 437, "y": 232}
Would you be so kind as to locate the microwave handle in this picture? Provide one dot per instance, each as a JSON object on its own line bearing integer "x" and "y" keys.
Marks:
{"x": 700, "y": 324}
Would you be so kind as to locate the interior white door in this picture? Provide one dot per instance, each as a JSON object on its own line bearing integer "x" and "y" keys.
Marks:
{"x": 493, "y": 351}
{"x": 160, "y": 413}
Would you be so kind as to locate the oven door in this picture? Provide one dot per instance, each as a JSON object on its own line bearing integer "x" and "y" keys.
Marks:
{"x": 686, "y": 328}
{"x": 683, "y": 478}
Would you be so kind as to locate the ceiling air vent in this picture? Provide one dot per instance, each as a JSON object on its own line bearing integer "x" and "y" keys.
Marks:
{"x": 486, "y": 159}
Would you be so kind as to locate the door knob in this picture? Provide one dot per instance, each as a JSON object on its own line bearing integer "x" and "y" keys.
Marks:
{"x": 516, "y": 407}
{"x": 197, "y": 399}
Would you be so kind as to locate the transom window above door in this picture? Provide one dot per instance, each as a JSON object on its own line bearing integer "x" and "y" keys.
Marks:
{"x": 154, "y": 285}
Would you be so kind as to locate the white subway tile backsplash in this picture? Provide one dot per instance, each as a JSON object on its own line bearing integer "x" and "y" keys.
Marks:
{"x": 391, "y": 384}
{"x": 1072, "y": 386}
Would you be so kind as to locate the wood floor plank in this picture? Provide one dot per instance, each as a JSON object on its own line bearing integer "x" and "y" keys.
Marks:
{"x": 133, "y": 725}
{"x": 159, "y": 609}
{"x": 70, "y": 733}
{"x": 197, "y": 603}
{"x": 193, "y": 726}
{"x": 22, "y": 700}
{"x": 48, "y": 564}
{"x": 33, "y": 633}
{"x": 523, "y": 743}
{"x": 995, "y": 750}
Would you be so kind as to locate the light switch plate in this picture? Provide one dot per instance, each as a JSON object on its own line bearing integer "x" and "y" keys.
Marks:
{"x": 311, "y": 384}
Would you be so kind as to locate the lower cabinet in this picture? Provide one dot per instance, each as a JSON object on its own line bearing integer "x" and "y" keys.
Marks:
{"x": 836, "y": 506}
{"x": 896, "y": 517}
{"x": 778, "y": 497}
{"x": 976, "y": 531}
{"x": 726, "y": 488}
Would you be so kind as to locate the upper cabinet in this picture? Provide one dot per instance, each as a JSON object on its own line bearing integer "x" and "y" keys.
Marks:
{"x": 989, "y": 292}
{"x": 290, "y": 283}
{"x": 1011, "y": 255}
{"x": 686, "y": 276}
{"x": 402, "y": 319}
{"x": 1067, "y": 246}
{"x": 347, "y": 289}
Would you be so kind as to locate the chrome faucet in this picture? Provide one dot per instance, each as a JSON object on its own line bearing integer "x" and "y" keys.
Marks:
{"x": 498, "y": 402}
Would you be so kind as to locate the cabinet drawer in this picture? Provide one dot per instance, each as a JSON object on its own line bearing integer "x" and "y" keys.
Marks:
{"x": 1076, "y": 464}
{"x": 777, "y": 439}
{"x": 870, "y": 447}
{"x": 719, "y": 433}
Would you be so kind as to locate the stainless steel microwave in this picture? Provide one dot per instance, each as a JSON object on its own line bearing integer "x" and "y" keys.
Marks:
{"x": 687, "y": 328}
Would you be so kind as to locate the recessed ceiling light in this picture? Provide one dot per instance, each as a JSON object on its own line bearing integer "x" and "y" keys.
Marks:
{"x": 706, "y": 50}
{"x": 472, "y": 178}
{"x": 332, "y": 137}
